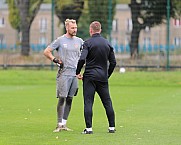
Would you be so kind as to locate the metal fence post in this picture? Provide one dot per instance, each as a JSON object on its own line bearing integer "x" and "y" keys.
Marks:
{"x": 52, "y": 26}
{"x": 168, "y": 34}
{"x": 109, "y": 19}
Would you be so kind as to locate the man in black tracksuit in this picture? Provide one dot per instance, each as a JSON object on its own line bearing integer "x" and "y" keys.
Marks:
{"x": 96, "y": 53}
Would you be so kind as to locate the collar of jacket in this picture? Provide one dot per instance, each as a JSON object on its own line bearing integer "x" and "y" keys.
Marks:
{"x": 96, "y": 35}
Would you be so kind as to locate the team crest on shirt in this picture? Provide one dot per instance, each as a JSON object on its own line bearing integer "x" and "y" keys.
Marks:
{"x": 65, "y": 45}
{"x": 76, "y": 45}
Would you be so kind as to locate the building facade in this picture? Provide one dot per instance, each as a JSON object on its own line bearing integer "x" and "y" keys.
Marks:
{"x": 41, "y": 30}
{"x": 150, "y": 39}
{"x": 7, "y": 33}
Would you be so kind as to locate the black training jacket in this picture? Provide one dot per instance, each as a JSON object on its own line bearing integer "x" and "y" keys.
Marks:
{"x": 99, "y": 57}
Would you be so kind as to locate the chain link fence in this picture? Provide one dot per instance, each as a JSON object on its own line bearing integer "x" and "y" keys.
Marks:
{"x": 152, "y": 41}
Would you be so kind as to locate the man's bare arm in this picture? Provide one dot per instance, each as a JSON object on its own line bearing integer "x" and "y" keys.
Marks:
{"x": 48, "y": 53}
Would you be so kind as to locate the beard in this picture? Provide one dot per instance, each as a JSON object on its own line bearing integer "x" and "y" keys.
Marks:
{"x": 72, "y": 34}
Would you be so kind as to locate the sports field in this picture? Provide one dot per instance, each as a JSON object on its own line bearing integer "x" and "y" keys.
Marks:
{"x": 147, "y": 106}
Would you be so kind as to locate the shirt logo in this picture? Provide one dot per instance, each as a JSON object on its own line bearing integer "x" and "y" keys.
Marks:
{"x": 76, "y": 46}
{"x": 65, "y": 45}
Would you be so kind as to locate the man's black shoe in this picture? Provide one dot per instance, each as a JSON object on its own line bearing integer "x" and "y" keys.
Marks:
{"x": 87, "y": 132}
{"x": 111, "y": 131}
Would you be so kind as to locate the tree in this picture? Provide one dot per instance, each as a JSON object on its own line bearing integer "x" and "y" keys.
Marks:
{"x": 71, "y": 9}
{"x": 99, "y": 10}
{"x": 146, "y": 13}
{"x": 14, "y": 18}
{"x": 22, "y": 15}
{"x": 83, "y": 26}
{"x": 177, "y": 6}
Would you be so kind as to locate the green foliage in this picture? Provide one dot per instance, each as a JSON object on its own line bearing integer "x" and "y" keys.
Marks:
{"x": 14, "y": 17}
{"x": 34, "y": 7}
{"x": 60, "y": 4}
{"x": 47, "y": 1}
{"x": 99, "y": 11}
{"x": 83, "y": 26}
{"x": 144, "y": 14}
{"x": 71, "y": 9}
{"x": 177, "y": 7}
{"x": 84, "y": 22}
{"x": 123, "y": 1}
{"x": 151, "y": 13}
{"x": 14, "y": 13}
{"x": 25, "y": 12}
{"x": 147, "y": 106}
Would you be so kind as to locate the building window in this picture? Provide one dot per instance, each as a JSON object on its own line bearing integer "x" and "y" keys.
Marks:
{"x": 2, "y": 41}
{"x": 127, "y": 41}
{"x": 2, "y": 22}
{"x": 177, "y": 41}
{"x": 43, "y": 25}
{"x": 146, "y": 41}
{"x": 1, "y": 38}
{"x": 129, "y": 25}
{"x": 42, "y": 40}
{"x": 177, "y": 22}
{"x": 115, "y": 25}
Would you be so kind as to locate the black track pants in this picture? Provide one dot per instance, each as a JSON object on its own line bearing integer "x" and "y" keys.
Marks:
{"x": 89, "y": 89}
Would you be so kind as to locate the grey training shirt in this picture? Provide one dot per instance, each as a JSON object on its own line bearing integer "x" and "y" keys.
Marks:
{"x": 69, "y": 52}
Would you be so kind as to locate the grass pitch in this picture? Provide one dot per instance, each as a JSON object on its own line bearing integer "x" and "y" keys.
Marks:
{"x": 147, "y": 106}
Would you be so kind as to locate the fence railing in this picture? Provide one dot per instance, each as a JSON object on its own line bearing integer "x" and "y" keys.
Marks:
{"x": 34, "y": 47}
{"x": 118, "y": 48}
{"x": 144, "y": 48}
{"x": 151, "y": 57}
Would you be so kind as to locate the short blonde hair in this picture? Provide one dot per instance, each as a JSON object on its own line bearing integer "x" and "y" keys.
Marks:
{"x": 96, "y": 26}
{"x": 67, "y": 21}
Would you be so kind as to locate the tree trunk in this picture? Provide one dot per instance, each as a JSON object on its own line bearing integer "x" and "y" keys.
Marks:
{"x": 27, "y": 10}
{"x": 134, "y": 50}
{"x": 25, "y": 28}
{"x": 25, "y": 41}
{"x": 17, "y": 39}
{"x": 23, "y": 6}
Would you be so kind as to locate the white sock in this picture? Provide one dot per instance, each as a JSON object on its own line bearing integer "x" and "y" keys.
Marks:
{"x": 111, "y": 128}
{"x": 89, "y": 129}
{"x": 64, "y": 121}
{"x": 60, "y": 123}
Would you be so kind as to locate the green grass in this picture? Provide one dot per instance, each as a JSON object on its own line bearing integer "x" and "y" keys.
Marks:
{"x": 147, "y": 106}
{"x": 123, "y": 1}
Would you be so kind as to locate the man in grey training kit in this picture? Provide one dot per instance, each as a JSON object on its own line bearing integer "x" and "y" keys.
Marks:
{"x": 68, "y": 47}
